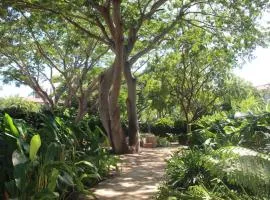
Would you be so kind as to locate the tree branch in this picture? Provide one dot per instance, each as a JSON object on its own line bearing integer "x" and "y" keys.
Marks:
{"x": 133, "y": 31}
{"x": 156, "y": 39}
{"x": 86, "y": 31}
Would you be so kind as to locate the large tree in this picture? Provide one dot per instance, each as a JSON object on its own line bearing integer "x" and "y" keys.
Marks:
{"x": 193, "y": 73}
{"x": 37, "y": 51}
{"x": 132, "y": 28}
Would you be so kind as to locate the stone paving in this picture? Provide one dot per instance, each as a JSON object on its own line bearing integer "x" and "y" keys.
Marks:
{"x": 139, "y": 178}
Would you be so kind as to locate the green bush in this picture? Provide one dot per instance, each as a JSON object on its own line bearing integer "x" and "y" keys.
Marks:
{"x": 164, "y": 122}
{"x": 163, "y": 142}
{"x": 228, "y": 160}
{"x": 14, "y": 104}
{"x": 228, "y": 173}
{"x": 251, "y": 131}
{"x": 163, "y": 127}
{"x": 53, "y": 160}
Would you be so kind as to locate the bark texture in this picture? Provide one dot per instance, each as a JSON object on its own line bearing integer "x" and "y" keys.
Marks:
{"x": 110, "y": 85}
{"x": 133, "y": 128}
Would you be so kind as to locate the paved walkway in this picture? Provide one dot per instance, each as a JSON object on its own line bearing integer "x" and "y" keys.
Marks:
{"x": 140, "y": 176}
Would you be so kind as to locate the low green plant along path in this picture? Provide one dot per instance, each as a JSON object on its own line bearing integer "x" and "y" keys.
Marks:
{"x": 140, "y": 175}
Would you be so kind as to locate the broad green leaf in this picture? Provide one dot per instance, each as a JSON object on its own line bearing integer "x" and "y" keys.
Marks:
{"x": 66, "y": 179}
{"x": 46, "y": 194}
{"x": 11, "y": 125}
{"x": 86, "y": 163}
{"x": 35, "y": 144}
{"x": 53, "y": 180}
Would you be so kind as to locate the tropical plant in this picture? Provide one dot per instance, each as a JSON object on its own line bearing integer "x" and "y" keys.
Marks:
{"x": 227, "y": 173}
{"x": 50, "y": 162}
{"x": 241, "y": 167}
{"x": 248, "y": 130}
{"x": 131, "y": 30}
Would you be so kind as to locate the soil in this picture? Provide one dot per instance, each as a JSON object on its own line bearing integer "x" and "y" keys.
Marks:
{"x": 140, "y": 176}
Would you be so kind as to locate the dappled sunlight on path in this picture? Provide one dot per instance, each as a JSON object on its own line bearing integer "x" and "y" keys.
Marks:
{"x": 140, "y": 176}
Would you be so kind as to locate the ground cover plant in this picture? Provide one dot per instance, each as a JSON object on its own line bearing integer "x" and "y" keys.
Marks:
{"x": 228, "y": 159}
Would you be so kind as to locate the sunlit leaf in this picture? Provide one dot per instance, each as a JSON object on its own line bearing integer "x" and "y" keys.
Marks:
{"x": 35, "y": 144}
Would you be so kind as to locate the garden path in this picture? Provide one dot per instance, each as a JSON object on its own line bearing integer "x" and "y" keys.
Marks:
{"x": 140, "y": 176}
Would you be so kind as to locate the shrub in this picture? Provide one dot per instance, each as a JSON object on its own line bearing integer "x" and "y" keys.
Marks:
{"x": 228, "y": 159}
{"x": 228, "y": 173}
{"x": 15, "y": 104}
{"x": 251, "y": 131}
{"x": 241, "y": 167}
{"x": 163, "y": 127}
{"x": 52, "y": 160}
{"x": 163, "y": 142}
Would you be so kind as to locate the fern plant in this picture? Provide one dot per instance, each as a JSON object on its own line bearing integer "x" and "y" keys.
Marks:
{"x": 241, "y": 167}
{"x": 229, "y": 173}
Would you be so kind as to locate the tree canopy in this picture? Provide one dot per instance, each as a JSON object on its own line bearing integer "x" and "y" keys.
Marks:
{"x": 71, "y": 37}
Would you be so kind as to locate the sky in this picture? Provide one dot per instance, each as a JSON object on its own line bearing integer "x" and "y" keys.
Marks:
{"x": 12, "y": 90}
{"x": 257, "y": 71}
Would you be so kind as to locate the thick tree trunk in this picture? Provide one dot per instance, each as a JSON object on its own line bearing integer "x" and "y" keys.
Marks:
{"x": 110, "y": 112}
{"x": 133, "y": 128}
{"x": 104, "y": 89}
{"x": 118, "y": 136}
{"x": 109, "y": 92}
{"x": 82, "y": 108}
{"x": 113, "y": 125}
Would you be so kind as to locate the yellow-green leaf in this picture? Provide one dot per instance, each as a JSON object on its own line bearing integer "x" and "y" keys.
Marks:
{"x": 11, "y": 125}
{"x": 35, "y": 144}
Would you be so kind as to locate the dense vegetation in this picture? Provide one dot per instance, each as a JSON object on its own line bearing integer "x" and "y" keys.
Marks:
{"x": 83, "y": 50}
{"x": 48, "y": 157}
{"x": 228, "y": 158}
{"x": 105, "y": 69}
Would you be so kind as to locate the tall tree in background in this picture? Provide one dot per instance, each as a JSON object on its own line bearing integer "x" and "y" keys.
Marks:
{"x": 131, "y": 29}
{"x": 194, "y": 73}
{"x": 240, "y": 95}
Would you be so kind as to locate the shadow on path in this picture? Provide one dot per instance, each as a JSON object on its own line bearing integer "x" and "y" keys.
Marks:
{"x": 140, "y": 176}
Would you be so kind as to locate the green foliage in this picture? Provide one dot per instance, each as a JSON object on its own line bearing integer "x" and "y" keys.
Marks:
{"x": 241, "y": 95}
{"x": 185, "y": 169}
{"x": 58, "y": 161}
{"x": 35, "y": 144}
{"x": 163, "y": 142}
{"x": 241, "y": 167}
{"x": 229, "y": 159}
{"x": 9, "y": 123}
{"x": 165, "y": 121}
{"x": 189, "y": 79}
{"x": 18, "y": 104}
{"x": 250, "y": 104}
{"x": 251, "y": 131}
{"x": 224, "y": 174}
{"x": 166, "y": 129}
